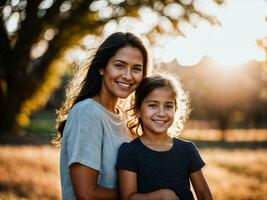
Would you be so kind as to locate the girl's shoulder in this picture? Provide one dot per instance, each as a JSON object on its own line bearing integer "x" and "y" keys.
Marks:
{"x": 184, "y": 143}
{"x": 130, "y": 145}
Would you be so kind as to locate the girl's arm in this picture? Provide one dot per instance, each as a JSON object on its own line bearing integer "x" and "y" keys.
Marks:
{"x": 200, "y": 186}
{"x": 128, "y": 189}
{"x": 84, "y": 181}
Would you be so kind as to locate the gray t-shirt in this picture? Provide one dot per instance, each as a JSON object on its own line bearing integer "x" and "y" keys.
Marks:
{"x": 92, "y": 136}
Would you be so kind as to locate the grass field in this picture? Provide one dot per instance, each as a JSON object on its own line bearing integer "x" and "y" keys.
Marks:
{"x": 29, "y": 168}
{"x": 31, "y": 172}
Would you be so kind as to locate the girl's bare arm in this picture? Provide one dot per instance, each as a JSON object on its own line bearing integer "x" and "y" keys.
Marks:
{"x": 200, "y": 186}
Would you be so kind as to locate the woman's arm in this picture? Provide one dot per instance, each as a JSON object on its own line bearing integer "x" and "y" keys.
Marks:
{"x": 200, "y": 186}
{"x": 128, "y": 189}
{"x": 84, "y": 181}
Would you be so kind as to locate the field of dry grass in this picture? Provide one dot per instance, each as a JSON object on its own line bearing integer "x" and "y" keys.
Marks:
{"x": 238, "y": 174}
{"x": 31, "y": 172}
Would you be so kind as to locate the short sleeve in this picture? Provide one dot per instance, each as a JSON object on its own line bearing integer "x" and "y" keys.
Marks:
{"x": 127, "y": 158}
{"x": 196, "y": 162}
{"x": 84, "y": 144}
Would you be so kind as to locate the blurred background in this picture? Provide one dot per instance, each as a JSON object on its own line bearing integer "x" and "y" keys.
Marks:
{"x": 218, "y": 48}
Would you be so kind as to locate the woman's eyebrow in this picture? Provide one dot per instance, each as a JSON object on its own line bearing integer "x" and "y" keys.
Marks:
{"x": 118, "y": 60}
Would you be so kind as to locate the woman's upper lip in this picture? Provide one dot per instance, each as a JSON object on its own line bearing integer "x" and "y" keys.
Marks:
{"x": 124, "y": 85}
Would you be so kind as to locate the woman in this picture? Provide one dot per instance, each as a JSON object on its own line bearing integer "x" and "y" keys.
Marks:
{"x": 94, "y": 127}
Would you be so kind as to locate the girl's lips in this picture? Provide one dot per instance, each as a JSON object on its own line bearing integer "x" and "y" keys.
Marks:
{"x": 161, "y": 122}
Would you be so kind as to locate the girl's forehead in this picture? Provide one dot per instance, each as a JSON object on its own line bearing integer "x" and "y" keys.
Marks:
{"x": 161, "y": 94}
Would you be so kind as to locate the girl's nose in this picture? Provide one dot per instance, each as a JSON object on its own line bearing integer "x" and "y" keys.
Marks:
{"x": 161, "y": 111}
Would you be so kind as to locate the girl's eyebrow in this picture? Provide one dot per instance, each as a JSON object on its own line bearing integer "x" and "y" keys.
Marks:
{"x": 154, "y": 101}
{"x": 170, "y": 102}
{"x": 151, "y": 101}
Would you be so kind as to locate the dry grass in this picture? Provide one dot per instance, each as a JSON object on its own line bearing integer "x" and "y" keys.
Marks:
{"x": 29, "y": 172}
{"x": 238, "y": 174}
{"x": 32, "y": 172}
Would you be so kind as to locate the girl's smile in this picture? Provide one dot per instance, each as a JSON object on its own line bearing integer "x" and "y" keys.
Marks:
{"x": 157, "y": 111}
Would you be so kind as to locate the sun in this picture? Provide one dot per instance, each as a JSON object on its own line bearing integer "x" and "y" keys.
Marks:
{"x": 233, "y": 43}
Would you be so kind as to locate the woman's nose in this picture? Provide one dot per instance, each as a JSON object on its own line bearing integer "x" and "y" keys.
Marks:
{"x": 127, "y": 74}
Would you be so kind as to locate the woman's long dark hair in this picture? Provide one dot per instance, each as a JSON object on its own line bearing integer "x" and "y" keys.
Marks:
{"x": 90, "y": 86}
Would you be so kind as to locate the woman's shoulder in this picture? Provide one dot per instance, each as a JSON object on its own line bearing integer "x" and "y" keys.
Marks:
{"x": 87, "y": 105}
{"x": 83, "y": 113}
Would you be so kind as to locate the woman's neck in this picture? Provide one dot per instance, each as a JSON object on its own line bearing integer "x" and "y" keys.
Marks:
{"x": 109, "y": 104}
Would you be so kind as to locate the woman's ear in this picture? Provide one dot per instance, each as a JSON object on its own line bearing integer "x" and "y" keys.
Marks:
{"x": 101, "y": 72}
{"x": 138, "y": 114}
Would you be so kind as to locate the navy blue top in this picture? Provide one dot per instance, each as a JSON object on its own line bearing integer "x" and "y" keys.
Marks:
{"x": 161, "y": 169}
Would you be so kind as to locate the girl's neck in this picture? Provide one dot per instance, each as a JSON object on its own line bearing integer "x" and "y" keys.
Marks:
{"x": 109, "y": 104}
{"x": 157, "y": 142}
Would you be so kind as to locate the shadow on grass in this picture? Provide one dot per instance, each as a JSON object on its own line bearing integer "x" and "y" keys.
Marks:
{"x": 30, "y": 139}
{"x": 230, "y": 145}
{"x": 40, "y": 131}
{"x": 27, "y": 139}
{"x": 13, "y": 189}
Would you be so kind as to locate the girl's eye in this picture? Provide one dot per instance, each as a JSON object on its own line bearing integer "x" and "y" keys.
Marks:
{"x": 152, "y": 105}
{"x": 170, "y": 107}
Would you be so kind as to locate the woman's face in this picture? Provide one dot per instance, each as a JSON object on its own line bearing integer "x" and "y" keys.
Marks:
{"x": 123, "y": 73}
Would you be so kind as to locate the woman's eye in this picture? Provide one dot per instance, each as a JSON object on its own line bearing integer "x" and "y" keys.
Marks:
{"x": 137, "y": 69}
{"x": 118, "y": 65}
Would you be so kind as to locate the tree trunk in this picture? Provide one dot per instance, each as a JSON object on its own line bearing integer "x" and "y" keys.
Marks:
{"x": 223, "y": 122}
{"x": 9, "y": 108}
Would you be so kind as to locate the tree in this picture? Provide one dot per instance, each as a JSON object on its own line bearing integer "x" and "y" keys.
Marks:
{"x": 25, "y": 79}
{"x": 227, "y": 97}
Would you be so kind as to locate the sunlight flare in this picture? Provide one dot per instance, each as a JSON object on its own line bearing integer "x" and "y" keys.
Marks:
{"x": 232, "y": 43}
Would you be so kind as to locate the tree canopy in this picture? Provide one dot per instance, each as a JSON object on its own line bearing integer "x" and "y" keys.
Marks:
{"x": 28, "y": 76}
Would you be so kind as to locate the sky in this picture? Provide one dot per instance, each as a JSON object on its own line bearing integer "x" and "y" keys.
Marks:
{"x": 231, "y": 43}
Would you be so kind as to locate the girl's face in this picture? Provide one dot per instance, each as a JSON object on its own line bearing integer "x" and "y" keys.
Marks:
{"x": 157, "y": 111}
{"x": 123, "y": 73}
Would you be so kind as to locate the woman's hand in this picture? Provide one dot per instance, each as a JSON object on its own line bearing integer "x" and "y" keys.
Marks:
{"x": 128, "y": 189}
{"x": 166, "y": 194}
{"x": 162, "y": 194}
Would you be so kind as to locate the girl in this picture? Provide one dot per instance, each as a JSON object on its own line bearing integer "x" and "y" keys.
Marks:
{"x": 91, "y": 122}
{"x": 155, "y": 165}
